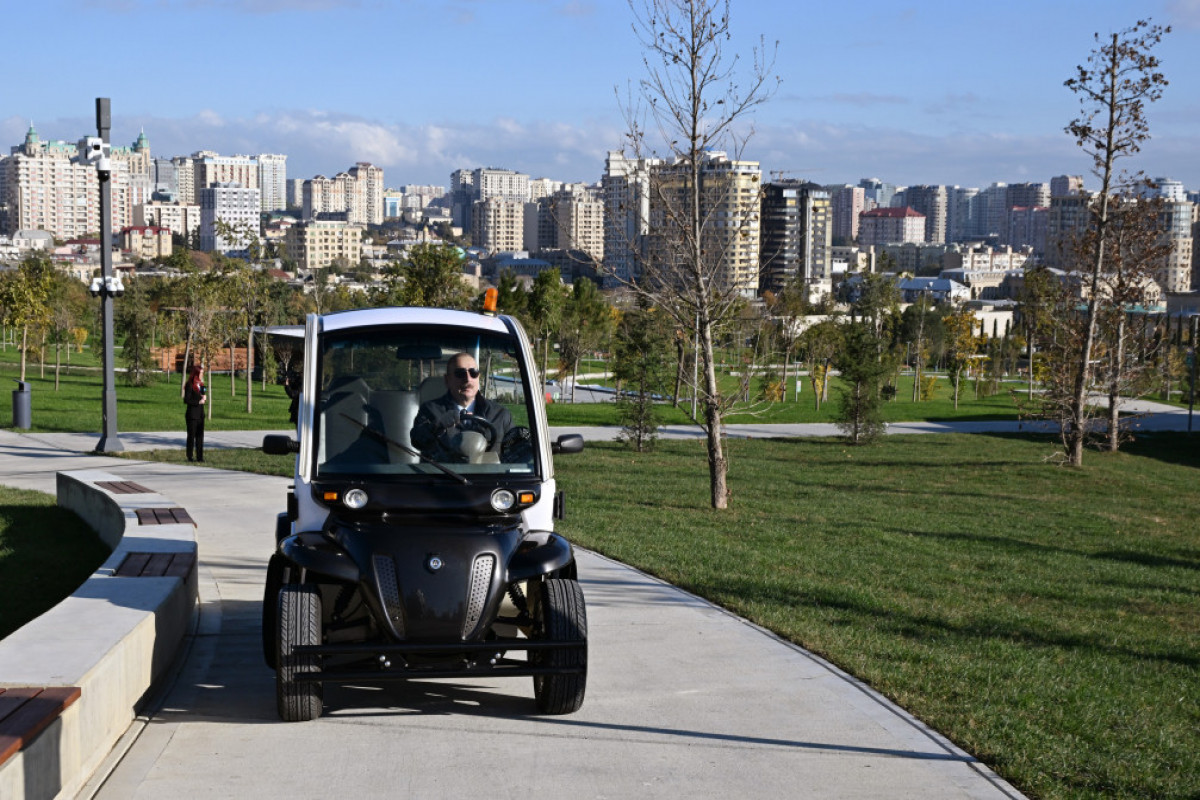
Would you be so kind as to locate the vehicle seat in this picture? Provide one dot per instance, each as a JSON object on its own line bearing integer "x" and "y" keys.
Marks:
{"x": 344, "y": 406}
{"x": 397, "y": 411}
{"x": 431, "y": 388}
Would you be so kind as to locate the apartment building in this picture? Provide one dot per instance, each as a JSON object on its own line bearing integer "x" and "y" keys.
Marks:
{"x": 625, "y": 188}
{"x": 1027, "y": 227}
{"x": 498, "y": 224}
{"x": 890, "y": 225}
{"x": 44, "y": 188}
{"x": 577, "y": 213}
{"x": 235, "y": 206}
{"x": 317, "y": 244}
{"x": 1069, "y": 216}
{"x": 929, "y": 201}
{"x": 961, "y": 213}
{"x": 1175, "y": 274}
{"x": 797, "y": 235}
{"x": 180, "y": 218}
{"x": 846, "y": 203}
{"x": 730, "y": 198}
{"x": 272, "y": 181}
{"x": 358, "y": 193}
{"x": 146, "y": 242}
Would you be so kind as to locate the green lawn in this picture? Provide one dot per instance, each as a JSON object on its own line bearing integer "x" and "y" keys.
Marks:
{"x": 1046, "y": 619}
{"x": 75, "y": 406}
{"x": 46, "y": 552}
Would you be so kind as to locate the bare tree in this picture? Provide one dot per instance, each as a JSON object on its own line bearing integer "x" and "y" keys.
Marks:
{"x": 1120, "y": 77}
{"x": 689, "y": 270}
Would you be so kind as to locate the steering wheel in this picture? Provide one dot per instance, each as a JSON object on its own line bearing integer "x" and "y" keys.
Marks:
{"x": 473, "y": 422}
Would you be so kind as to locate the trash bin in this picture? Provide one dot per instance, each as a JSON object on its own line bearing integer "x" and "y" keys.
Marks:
{"x": 22, "y": 416}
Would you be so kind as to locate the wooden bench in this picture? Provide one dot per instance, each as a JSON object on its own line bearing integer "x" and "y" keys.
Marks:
{"x": 27, "y": 711}
{"x": 156, "y": 565}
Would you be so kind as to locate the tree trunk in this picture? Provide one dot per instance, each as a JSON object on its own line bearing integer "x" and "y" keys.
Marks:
{"x": 717, "y": 465}
{"x": 1114, "y": 389}
{"x": 249, "y": 369}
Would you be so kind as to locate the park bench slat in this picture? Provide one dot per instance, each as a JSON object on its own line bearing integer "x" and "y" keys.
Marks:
{"x": 26, "y": 712}
{"x": 156, "y": 565}
{"x": 163, "y": 516}
{"x": 123, "y": 487}
{"x": 181, "y": 566}
{"x": 133, "y": 565}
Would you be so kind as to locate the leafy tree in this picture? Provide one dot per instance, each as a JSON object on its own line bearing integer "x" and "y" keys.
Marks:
{"x": 247, "y": 288}
{"x": 25, "y": 299}
{"x": 69, "y": 305}
{"x": 922, "y": 327}
{"x": 642, "y": 367}
{"x": 1037, "y": 298}
{"x": 585, "y": 326}
{"x": 786, "y": 308}
{"x": 430, "y": 276}
{"x": 820, "y": 345}
{"x": 545, "y": 307}
{"x": 134, "y": 320}
{"x": 511, "y": 297}
{"x": 697, "y": 102}
{"x": 1120, "y": 77}
{"x": 960, "y": 346}
{"x": 863, "y": 367}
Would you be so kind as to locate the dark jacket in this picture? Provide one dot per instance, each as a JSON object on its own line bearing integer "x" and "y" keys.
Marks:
{"x": 438, "y": 418}
{"x": 191, "y": 399}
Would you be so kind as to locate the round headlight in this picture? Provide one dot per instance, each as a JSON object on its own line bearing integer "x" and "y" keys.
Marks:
{"x": 503, "y": 499}
{"x": 355, "y": 498}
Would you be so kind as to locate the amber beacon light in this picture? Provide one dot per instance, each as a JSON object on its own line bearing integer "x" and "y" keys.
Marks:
{"x": 490, "y": 297}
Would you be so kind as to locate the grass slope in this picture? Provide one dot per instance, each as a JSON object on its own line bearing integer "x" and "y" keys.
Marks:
{"x": 1045, "y": 619}
{"x": 46, "y": 552}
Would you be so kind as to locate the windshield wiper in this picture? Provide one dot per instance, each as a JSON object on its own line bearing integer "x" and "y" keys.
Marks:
{"x": 385, "y": 439}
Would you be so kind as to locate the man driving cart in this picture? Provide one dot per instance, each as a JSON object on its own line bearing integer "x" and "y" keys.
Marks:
{"x": 439, "y": 425}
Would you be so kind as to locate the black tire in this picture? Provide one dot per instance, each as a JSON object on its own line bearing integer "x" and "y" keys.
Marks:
{"x": 299, "y": 624}
{"x": 559, "y": 616}
{"x": 277, "y": 575}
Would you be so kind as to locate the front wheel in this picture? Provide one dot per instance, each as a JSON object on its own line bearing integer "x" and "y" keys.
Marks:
{"x": 278, "y": 573}
{"x": 559, "y": 616}
{"x": 299, "y": 625}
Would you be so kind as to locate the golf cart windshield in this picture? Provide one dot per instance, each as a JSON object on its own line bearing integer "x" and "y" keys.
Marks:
{"x": 388, "y": 403}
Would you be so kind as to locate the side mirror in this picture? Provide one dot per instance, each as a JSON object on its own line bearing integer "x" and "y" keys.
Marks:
{"x": 567, "y": 443}
{"x": 276, "y": 444}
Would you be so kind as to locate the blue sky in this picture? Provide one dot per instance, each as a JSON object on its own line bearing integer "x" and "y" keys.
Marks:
{"x": 938, "y": 91}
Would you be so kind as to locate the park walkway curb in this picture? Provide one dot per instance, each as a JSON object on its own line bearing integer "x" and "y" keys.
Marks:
{"x": 113, "y": 639}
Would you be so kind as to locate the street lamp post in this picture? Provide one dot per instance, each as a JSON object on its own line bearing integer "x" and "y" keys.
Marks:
{"x": 107, "y": 286}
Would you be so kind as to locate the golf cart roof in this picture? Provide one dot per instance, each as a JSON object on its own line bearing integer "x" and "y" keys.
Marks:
{"x": 370, "y": 317}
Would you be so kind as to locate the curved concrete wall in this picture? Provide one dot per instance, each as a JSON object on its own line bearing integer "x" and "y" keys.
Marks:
{"x": 114, "y": 638}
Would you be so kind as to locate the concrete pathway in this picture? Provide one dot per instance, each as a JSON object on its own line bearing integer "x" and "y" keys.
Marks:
{"x": 684, "y": 699}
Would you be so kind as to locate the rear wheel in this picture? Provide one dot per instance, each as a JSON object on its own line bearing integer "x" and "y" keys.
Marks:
{"x": 559, "y": 616}
{"x": 299, "y": 625}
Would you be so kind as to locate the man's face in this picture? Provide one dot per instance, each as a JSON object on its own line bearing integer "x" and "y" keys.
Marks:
{"x": 461, "y": 385}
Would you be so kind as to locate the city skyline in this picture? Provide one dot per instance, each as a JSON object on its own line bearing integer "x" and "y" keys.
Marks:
{"x": 933, "y": 93}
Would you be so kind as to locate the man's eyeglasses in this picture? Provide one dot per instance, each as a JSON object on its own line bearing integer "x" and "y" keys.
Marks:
{"x": 461, "y": 373}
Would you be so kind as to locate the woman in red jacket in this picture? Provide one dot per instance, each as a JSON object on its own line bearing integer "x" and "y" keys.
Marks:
{"x": 195, "y": 395}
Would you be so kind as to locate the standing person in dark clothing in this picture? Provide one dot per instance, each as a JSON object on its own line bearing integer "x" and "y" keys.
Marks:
{"x": 291, "y": 386}
{"x": 195, "y": 395}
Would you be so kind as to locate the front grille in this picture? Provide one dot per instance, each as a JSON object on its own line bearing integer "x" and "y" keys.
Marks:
{"x": 481, "y": 580}
{"x": 389, "y": 592}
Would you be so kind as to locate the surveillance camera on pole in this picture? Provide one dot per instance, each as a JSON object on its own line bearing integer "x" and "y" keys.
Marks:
{"x": 94, "y": 150}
